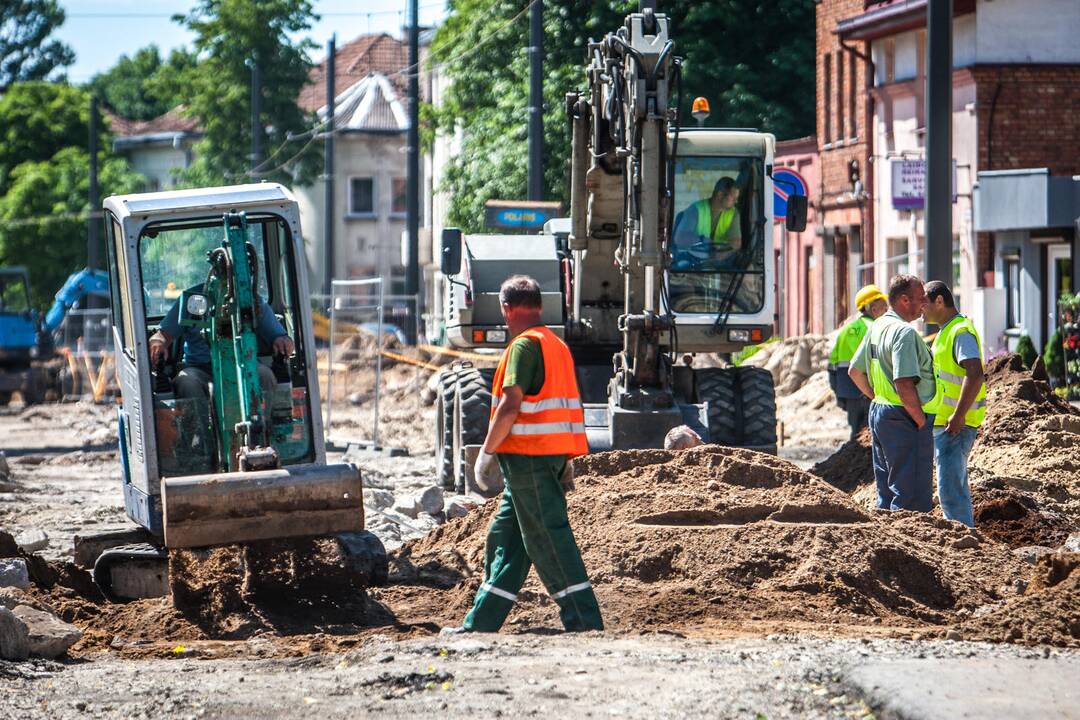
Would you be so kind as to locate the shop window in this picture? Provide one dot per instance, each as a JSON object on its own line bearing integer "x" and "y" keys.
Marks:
{"x": 1011, "y": 271}
{"x": 361, "y": 196}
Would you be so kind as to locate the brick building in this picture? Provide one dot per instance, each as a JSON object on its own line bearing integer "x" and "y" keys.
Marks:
{"x": 1016, "y": 107}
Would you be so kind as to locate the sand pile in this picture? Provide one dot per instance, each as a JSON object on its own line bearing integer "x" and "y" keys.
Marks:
{"x": 850, "y": 467}
{"x": 1016, "y": 518}
{"x": 1030, "y": 438}
{"x": 1048, "y": 613}
{"x": 792, "y": 360}
{"x": 708, "y": 537}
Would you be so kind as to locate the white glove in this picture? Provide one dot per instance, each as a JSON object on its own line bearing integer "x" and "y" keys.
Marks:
{"x": 486, "y": 472}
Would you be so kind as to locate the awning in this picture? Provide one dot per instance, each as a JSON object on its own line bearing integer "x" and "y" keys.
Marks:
{"x": 1028, "y": 199}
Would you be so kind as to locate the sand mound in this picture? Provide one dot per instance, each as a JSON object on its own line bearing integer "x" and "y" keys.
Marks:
{"x": 850, "y": 467}
{"x": 1048, "y": 613}
{"x": 1015, "y": 518}
{"x": 682, "y": 540}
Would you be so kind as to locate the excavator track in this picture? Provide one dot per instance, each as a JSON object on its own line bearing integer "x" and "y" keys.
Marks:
{"x": 131, "y": 572}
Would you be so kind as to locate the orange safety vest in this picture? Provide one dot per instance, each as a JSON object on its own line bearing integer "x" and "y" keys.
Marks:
{"x": 551, "y": 422}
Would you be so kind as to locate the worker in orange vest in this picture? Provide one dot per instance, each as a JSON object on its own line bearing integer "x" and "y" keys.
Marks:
{"x": 537, "y": 427}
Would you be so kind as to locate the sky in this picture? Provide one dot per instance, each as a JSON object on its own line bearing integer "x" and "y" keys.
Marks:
{"x": 100, "y": 31}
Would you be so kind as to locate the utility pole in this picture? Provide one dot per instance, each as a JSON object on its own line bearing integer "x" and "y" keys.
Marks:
{"x": 536, "y": 101}
{"x": 412, "y": 273}
{"x": 938, "y": 222}
{"x": 329, "y": 216}
{"x": 93, "y": 226}
{"x": 256, "y": 112}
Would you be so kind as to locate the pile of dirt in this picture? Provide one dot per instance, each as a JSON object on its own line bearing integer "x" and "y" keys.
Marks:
{"x": 1015, "y": 518}
{"x": 792, "y": 360}
{"x": 1048, "y": 613}
{"x": 1029, "y": 438}
{"x": 850, "y": 467}
{"x": 710, "y": 537}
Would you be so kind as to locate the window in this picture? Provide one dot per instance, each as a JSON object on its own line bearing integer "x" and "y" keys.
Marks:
{"x": 361, "y": 196}
{"x": 898, "y": 256}
{"x": 853, "y": 127}
{"x": 1011, "y": 271}
{"x": 399, "y": 196}
{"x": 840, "y": 96}
{"x": 827, "y": 96}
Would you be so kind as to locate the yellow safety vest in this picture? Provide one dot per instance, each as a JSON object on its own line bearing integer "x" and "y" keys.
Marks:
{"x": 723, "y": 224}
{"x": 848, "y": 341}
{"x": 950, "y": 374}
{"x": 884, "y": 390}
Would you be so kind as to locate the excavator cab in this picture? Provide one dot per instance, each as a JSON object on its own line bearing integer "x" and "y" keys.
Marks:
{"x": 222, "y": 442}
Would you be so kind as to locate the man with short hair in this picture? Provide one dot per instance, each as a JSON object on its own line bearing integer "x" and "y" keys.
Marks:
{"x": 712, "y": 221}
{"x": 871, "y": 304}
{"x": 537, "y": 427}
{"x": 960, "y": 404}
{"x": 893, "y": 367}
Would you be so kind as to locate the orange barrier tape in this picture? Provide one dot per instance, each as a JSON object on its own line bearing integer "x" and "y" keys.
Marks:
{"x": 411, "y": 361}
{"x": 436, "y": 350}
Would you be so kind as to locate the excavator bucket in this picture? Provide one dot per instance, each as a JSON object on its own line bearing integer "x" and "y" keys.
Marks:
{"x": 234, "y": 507}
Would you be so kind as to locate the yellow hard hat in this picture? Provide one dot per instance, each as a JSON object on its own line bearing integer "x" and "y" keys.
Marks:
{"x": 867, "y": 295}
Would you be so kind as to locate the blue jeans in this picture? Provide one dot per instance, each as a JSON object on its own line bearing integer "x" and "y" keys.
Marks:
{"x": 950, "y": 456}
{"x": 903, "y": 459}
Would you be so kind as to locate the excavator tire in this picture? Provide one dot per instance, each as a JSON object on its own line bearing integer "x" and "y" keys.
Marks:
{"x": 758, "y": 399}
{"x": 444, "y": 428}
{"x": 720, "y": 388}
{"x": 472, "y": 410}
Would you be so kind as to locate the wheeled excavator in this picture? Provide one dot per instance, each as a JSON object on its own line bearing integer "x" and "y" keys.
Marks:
{"x": 635, "y": 280}
{"x": 240, "y": 467}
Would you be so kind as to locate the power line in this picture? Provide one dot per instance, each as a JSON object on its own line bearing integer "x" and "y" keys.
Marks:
{"x": 377, "y": 13}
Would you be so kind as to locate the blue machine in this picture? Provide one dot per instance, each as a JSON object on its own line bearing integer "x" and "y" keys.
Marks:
{"x": 84, "y": 283}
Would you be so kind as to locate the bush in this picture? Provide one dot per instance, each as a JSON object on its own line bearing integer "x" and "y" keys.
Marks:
{"x": 1026, "y": 350}
{"x": 1054, "y": 357}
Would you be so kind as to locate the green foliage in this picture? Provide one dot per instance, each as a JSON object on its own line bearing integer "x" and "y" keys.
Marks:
{"x": 26, "y": 53}
{"x": 1054, "y": 357}
{"x": 143, "y": 86}
{"x": 754, "y": 61}
{"x": 43, "y": 215}
{"x": 36, "y": 120}
{"x": 750, "y": 351}
{"x": 229, "y": 34}
{"x": 1026, "y": 349}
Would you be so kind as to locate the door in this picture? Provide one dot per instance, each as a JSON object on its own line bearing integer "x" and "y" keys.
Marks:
{"x": 1058, "y": 280}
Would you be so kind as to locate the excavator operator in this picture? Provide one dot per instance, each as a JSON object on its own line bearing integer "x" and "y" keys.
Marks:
{"x": 709, "y": 229}
{"x": 193, "y": 380}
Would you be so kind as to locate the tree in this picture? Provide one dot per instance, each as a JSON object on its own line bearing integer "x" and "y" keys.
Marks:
{"x": 230, "y": 34}
{"x": 43, "y": 215}
{"x": 37, "y": 119}
{"x": 26, "y": 53}
{"x": 143, "y": 86}
{"x": 754, "y": 61}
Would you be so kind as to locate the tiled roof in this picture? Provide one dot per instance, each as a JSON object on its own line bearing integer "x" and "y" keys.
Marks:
{"x": 173, "y": 121}
{"x": 355, "y": 60}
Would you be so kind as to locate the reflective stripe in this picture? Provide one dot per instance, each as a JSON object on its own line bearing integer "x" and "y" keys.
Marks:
{"x": 572, "y": 589}
{"x": 554, "y": 403}
{"x": 488, "y": 587}
{"x": 949, "y": 377}
{"x": 549, "y": 428}
{"x": 953, "y": 402}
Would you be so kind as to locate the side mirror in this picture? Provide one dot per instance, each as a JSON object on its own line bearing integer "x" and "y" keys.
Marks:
{"x": 796, "y": 213}
{"x": 450, "y": 262}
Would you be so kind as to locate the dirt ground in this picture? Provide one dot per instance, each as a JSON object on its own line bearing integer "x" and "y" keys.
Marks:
{"x": 757, "y": 563}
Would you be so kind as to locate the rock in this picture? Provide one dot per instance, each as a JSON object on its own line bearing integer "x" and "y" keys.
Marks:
{"x": 432, "y": 500}
{"x": 1072, "y": 544}
{"x": 378, "y": 498}
{"x": 407, "y": 505}
{"x": 966, "y": 543}
{"x": 50, "y": 637}
{"x": 101, "y": 436}
{"x": 458, "y": 508}
{"x": 32, "y": 540}
{"x": 954, "y": 635}
{"x": 13, "y": 573}
{"x": 14, "y": 636}
{"x": 1032, "y": 553}
{"x": 5, "y": 469}
{"x": 12, "y": 597}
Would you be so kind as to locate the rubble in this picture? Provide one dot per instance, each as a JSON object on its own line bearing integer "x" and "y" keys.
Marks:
{"x": 32, "y": 540}
{"x": 48, "y": 636}
{"x": 793, "y": 360}
{"x": 13, "y": 573}
{"x": 14, "y": 637}
{"x": 432, "y": 500}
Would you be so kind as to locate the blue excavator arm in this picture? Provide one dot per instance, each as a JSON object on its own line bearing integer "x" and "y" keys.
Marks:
{"x": 78, "y": 285}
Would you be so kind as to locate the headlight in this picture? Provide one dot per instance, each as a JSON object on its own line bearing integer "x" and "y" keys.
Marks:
{"x": 197, "y": 305}
{"x": 739, "y": 336}
{"x": 496, "y": 336}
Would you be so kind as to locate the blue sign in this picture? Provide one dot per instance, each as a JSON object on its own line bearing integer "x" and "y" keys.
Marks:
{"x": 786, "y": 182}
{"x": 507, "y": 215}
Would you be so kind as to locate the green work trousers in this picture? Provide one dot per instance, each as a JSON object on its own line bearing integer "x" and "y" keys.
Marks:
{"x": 531, "y": 528}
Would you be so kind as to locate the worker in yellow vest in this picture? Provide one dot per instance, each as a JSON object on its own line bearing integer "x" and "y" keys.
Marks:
{"x": 537, "y": 427}
{"x": 960, "y": 403}
{"x": 871, "y": 304}
{"x": 894, "y": 368}
{"x": 710, "y": 228}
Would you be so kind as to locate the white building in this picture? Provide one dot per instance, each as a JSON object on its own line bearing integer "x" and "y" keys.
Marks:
{"x": 158, "y": 148}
